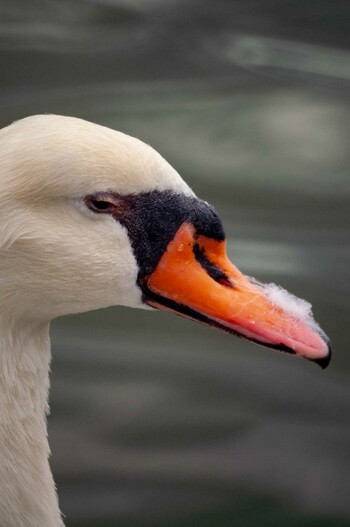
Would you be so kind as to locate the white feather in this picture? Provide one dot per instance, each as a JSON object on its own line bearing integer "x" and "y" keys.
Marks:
{"x": 289, "y": 303}
{"x": 56, "y": 258}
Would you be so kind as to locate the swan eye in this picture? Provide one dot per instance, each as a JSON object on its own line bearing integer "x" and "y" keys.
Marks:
{"x": 100, "y": 204}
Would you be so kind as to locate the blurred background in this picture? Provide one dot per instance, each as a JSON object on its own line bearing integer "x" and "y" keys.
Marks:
{"x": 157, "y": 421}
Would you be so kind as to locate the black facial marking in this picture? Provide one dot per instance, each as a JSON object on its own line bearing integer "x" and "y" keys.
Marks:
{"x": 153, "y": 218}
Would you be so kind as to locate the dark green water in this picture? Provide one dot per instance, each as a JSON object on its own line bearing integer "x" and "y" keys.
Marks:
{"x": 157, "y": 421}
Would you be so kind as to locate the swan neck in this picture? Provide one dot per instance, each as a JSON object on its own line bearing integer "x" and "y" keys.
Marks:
{"x": 27, "y": 491}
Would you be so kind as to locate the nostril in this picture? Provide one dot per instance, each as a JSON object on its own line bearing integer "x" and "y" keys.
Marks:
{"x": 225, "y": 281}
{"x": 213, "y": 271}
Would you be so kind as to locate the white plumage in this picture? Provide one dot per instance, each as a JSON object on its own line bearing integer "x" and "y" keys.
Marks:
{"x": 56, "y": 258}
{"x": 153, "y": 243}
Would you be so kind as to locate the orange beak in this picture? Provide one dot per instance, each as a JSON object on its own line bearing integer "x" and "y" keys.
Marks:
{"x": 195, "y": 278}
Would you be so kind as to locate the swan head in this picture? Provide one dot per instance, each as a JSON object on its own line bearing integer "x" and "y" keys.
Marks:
{"x": 91, "y": 217}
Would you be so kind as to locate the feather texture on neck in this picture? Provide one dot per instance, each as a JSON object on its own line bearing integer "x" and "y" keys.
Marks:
{"x": 27, "y": 492}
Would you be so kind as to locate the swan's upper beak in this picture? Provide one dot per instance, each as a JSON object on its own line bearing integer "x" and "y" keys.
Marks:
{"x": 195, "y": 278}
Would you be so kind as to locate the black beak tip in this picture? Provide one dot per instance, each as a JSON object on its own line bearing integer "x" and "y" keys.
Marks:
{"x": 324, "y": 362}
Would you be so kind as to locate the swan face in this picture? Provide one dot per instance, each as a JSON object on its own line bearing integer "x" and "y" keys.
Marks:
{"x": 64, "y": 257}
{"x": 92, "y": 218}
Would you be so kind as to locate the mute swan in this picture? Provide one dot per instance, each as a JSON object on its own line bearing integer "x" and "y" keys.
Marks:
{"x": 90, "y": 218}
